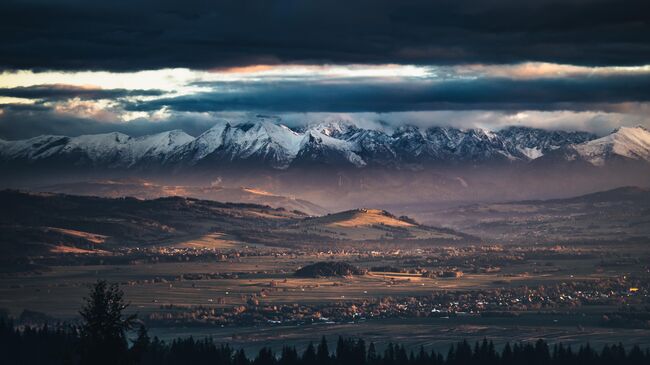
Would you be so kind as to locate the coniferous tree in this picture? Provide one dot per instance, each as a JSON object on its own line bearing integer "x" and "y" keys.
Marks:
{"x": 359, "y": 353}
{"x": 323, "y": 353}
{"x": 400, "y": 355}
{"x": 265, "y": 357}
{"x": 389, "y": 355}
{"x": 635, "y": 357}
{"x": 140, "y": 344}
{"x": 240, "y": 358}
{"x": 309, "y": 356}
{"x": 48, "y": 345}
{"x": 103, "y": 333}
{"x": 289, "y": 356}
{"x": 373, "y": 357}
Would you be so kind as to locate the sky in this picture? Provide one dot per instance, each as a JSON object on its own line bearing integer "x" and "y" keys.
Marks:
{"x": 76, "y": 67}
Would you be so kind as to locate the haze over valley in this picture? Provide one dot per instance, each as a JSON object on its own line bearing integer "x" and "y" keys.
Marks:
{"x": 368, "y": 182}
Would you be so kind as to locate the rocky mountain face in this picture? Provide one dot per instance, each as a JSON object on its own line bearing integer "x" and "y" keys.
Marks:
{"x": 624, "y": 143}
{"x": 342, "y": 166}
{"x": 268, "y": 144}
{"x": 110, "y": 150}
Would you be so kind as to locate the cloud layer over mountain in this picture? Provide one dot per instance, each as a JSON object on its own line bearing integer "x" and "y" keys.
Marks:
{"x": 141, "y": 67}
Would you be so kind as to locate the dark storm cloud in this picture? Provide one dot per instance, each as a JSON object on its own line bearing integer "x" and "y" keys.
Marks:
{"x": 584, "y": 93}
{"x": 62, "y": 92}
{"x": 135, "y": 35}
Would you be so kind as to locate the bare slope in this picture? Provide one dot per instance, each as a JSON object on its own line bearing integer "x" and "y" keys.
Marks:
{"x": 144, "y": 189}
{"x": 42, "y": 222}
{"x": 371, "y": 225}
{"x": 38, "y": 223}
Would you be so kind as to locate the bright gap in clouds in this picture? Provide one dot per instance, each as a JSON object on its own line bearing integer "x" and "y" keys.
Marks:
{"x": 180, "y": 80}
{"x": 183, "y": 81}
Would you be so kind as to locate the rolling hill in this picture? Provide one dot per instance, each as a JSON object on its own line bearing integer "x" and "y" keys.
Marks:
{"x": 48, "y": 223}
{"x": 616, "y": 215}
{"x": 371, "y": 225}
{"x": 144, "y": 189}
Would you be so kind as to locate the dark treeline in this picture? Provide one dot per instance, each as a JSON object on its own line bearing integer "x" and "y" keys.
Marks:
{"x": 102, "y": 339}
{"x": 64, "y": 346}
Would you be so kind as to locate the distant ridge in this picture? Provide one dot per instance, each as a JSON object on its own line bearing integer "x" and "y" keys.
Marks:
{"x": 48, "y": 223}
{"x": 144, "y": 189}
{"x": 635, "y": 193}
{"x": 606, "y": 217}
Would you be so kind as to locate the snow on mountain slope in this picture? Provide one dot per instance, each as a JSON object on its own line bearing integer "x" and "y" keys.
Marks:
{"x": 265, "y": 143}
{"x": 534, "y": 143}
{"x": 320, "y": 148}
{"x": 375, "y": 146}
{"x": 159, "y": 145}
{"x": 114, "y": 149}
{"x": 269, "y": 142}
{"x": 33, "y": 148}
{"x": 482, "y": 145}
{"x": 110, "y": 149}
{"x": 411, "y": 144}
{"x": 336, "y": 129}
{"x": 627, "y": 142}
{"x": 202, "y": 146}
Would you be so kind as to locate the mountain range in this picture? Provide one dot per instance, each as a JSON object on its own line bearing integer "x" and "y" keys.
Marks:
{"x": 336, "y": 165}
{"x": 342, "y": 144}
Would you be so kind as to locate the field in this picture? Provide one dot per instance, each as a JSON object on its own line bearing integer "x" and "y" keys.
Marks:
{"x": 432, "y": 333}
{"x": 514, "y": 271}
{"x": 189, "y": 286}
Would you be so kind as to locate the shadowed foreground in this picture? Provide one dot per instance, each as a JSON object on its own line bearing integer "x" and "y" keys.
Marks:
{"x": 102, "y": 338}
{"x": 65, "y": 346}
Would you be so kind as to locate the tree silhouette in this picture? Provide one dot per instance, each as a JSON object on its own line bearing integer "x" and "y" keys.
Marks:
{"x": 103, "y": 333}
{"x": 102, "y": 340}
{"x": 309, "y": 356}
{"x": 140, "y": 344}
{"x": 323, "y": 353}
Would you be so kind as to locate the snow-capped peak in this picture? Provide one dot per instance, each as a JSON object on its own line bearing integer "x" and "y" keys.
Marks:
{"x": 204, "y": 144}
{"x": 627, "y": 142}
{"x": 160, "y": 144}
{"x": 333, "y": 129}
{"x": 267, "y": 143}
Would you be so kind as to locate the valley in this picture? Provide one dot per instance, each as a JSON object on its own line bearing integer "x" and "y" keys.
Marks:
{"x": 230, "y": 270}
{"x": 325, "y": 183}
{"x": 253, "y": 298}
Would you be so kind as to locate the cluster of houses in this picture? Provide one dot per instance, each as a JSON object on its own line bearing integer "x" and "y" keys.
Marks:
{"x": 489, "y": 302}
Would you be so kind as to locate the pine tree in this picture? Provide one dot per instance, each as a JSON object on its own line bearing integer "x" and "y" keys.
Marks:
{"x": 265, "y": 357}
{"x": 309, "y": 356}
{"x": 323, "y": 354}
{"x": 373, "y": 357}
{"x": 140, "y": 345}
{"x": 289, "y": 356}
{"x": 240, "y": 358}
{"x": 103, "y": 333}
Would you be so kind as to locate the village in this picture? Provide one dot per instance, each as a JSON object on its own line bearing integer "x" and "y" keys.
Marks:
{"x": 616, "y": 296}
